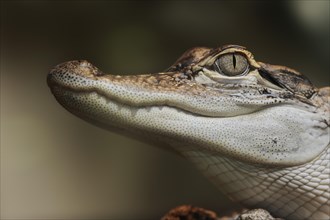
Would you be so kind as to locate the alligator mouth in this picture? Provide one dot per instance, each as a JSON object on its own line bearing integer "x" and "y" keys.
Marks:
{"x": 64, "y": 94}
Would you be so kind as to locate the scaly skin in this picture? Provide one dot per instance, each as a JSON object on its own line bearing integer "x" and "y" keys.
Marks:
{"x": 262, "y": 136}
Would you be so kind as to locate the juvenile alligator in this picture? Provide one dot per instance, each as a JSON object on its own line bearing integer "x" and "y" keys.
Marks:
{"x": 260, "y": 132}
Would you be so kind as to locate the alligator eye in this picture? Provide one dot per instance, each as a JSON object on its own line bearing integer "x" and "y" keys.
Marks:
{"x": 232, "y": 64}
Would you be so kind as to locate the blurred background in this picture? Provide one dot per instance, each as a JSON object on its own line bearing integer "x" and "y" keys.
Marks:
{"x": 54, "y": 165}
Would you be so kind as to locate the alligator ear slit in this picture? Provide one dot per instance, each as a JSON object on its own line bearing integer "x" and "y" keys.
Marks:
{"x": 266, "y": 76}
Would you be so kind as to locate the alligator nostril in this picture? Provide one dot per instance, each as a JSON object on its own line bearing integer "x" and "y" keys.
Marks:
{"x": 88, "y": 68}
{"x": 84, "y": 63}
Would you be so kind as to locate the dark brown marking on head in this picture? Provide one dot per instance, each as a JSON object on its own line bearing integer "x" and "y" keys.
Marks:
{"x": 287, "y": 78}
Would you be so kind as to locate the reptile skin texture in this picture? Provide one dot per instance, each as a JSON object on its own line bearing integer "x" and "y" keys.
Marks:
{"x": 301, "y": 190}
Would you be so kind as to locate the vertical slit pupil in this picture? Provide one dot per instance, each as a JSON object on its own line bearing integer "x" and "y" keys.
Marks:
{"x": 234, "y": 61}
